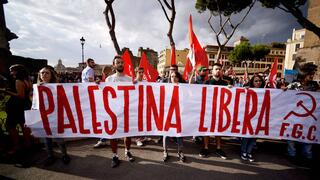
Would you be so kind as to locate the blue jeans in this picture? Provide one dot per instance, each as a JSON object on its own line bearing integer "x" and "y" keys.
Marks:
{"x": 103, "y": 140}
{"x": 247, "y": 145}
{"x": 305, "y": 148}
{"x": 166, "y": 141}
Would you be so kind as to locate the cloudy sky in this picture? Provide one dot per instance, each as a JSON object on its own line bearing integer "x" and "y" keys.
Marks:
{"x": 51, "y": 29}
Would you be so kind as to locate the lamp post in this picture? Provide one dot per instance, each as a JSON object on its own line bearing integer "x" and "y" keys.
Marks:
{"x": 82, "y": 40}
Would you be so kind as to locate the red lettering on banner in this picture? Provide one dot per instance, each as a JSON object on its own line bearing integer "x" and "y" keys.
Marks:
{"x": 283, "y": 128}
{"x": 114, "y": 125}
{"x": 235, "y": 121}
{"x": 249, "y": 114}
{"x": 297, "y": 131}
{"x": 79, "y": 110}
{"x": 174, "y": 106}
{"x": 126, "y": 90}
{"x": 43, "y": 111}
{"x": 265, "y": 112}
{"x": 95, "y": 125}
{"x": 140, "y": 109}
{"x": 225, "y": 94}
{"x": 63, "y": 105}
{"x": 310, "y": 135}
{"x": 214, "y": 109}
{"x": 152, "y": 107}
{"x": 203, "y": 110}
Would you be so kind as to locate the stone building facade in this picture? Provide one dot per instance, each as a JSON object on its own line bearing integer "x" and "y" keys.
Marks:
{"x": 311, "y": 50}
{"x": 165, "y": 60}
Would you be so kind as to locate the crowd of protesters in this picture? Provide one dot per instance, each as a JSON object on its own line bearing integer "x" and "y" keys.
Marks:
{"x": 20, "y": 87}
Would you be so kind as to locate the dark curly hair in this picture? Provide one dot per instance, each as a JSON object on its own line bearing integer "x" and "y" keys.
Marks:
{"x": 306, "y": 69}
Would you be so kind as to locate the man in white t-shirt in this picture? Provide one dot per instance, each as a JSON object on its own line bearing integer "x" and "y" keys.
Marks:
{"x": 88, "y": 72}
{"x": 88, "y": 76}
{"x": 119, "y": 76}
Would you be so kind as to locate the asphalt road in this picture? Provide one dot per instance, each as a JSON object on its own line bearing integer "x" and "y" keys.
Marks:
{"x": 90, "y": 163}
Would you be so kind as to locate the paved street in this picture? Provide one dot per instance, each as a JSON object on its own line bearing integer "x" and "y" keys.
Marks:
{"x": 89, "y": 163}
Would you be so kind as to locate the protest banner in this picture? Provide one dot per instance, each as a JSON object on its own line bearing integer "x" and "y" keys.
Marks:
{"x": 114, "y": 110}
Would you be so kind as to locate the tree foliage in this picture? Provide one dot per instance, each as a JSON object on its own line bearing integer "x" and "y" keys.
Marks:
{"x": 293, "y": 7}
{"x": 278, "y": 45}
{"x": 259, "y": 51}
{"x": 241, "y": 52}
{"x": 246, "y": 52}
{"x": 223, "y": 10}
{"x": 226, "y": 7}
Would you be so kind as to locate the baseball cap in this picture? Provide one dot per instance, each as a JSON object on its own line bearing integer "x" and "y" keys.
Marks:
{"x": 202, "y": 68}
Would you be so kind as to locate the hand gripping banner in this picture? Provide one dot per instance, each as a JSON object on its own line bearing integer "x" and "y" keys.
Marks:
{"x": 114, "y": 110}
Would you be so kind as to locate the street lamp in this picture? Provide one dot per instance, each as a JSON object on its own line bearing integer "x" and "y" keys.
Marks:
{"x": 82, "y": 40}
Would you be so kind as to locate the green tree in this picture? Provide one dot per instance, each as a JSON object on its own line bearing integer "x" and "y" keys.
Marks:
{"x": 294, "y": 8}
{"x": 223, "y": 10}
{"x": 259, "y": 51}
{"x": 278, "y": 45}
{"x": 245, "y": 52}
{"x": 242, "y": 52}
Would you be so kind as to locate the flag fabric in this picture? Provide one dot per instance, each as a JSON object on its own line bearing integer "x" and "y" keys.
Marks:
{"x": 197, "y": 55}
{"x": 150, "y": 74}
{"x": 187, "y": 70}
{"x": 273, "y": 74}
{"x": 173, "y": 55}
{"x": 128, "y": 67}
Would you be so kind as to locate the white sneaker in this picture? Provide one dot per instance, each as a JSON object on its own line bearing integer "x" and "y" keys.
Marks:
{"x": 100, "y": 144}
{"x": 139, "y": 143}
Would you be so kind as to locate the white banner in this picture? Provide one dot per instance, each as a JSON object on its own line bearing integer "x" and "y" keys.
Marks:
{"x": 114, "y": 110}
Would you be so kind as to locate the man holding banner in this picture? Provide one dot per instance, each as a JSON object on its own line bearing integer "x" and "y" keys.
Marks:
{"x": 216, "y": 80}
{"x": 119, "y": 76}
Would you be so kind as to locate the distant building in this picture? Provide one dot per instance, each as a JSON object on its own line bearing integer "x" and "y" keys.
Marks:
{"x": 152, "y": 56}
{"x": 292, "y": 46}
{"x": 311, "y": 50}
{"x": 60, "y": 68}
{"x": 212, "y": 52}
{"x": 165, "y": 60}
{"x": 258, "y": 66}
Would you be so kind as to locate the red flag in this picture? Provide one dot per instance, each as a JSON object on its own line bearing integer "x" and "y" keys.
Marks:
{"x": 273, "y": 74}
{"x": 128, "y": 67}
{"x": 197, "y": 55}
{"x": 173, "y": 55}
{"x": 150, "y": 74}
{"x": 187, "y": 70}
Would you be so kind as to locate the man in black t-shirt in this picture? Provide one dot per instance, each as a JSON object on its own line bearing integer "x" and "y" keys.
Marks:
{"x": 216, "y": 80}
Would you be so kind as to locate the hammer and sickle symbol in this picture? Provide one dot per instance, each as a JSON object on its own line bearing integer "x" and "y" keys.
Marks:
{"x": 308, "y": 111}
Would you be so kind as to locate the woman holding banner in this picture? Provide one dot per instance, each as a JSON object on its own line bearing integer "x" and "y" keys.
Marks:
{"x": 175, "y": 78}
{"x": 48, "y": 75}
{"x": 247, "y": 144}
